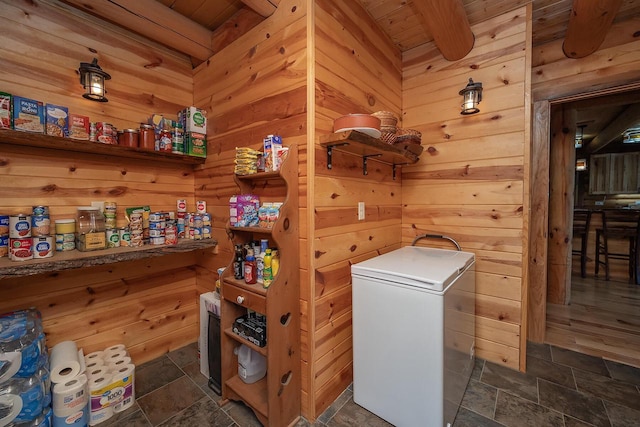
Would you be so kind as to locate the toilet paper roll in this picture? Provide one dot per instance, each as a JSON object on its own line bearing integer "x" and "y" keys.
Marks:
{"x": 118, "y": 363}
{"x": 118, "y": 348}
{"x": 70, "y": 396}
{"x": 100, "y": 415}
{"x": 95, "y": 363}
{"x": 12, "y": 405}
{"x": 98, "y": 383}
{"x": 124, "y": 377}
{"x": 99, "y": 371}
{"x": 95, "y": 356}
{"x": 67, "y": 362}
{"x": 9, "y": 364}
{"x": 78, "y": 418}
{"x": 115, "y": 356}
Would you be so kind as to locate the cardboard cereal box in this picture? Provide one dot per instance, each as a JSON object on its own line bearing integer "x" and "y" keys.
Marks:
{"x": 5, "y": 110}
{"x": 28, "y": 115}
{"x": 57, "y": 119}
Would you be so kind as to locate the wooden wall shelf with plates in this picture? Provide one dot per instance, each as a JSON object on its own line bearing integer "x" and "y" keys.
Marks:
{"x": 369, "y": 148}
{"x": 36, "y": 140}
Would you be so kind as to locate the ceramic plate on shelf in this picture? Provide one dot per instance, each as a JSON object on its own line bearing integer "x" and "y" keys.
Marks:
{"x": 373, "y": 132}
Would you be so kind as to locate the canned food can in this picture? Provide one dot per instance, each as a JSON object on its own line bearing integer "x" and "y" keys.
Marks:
{"x": 4, "y": 246}
{"x": 156, "y": 216}
{"x": 110, "y": 207}
{"x": 197, "y": 221}
{"x": 197, "y": 233}
{"x": 42, "y": 247}
{"x": 157, "y": 225}
{"x": 156, "y": 233}
{"x": 20, "y": 249}
{"x": 113, "y": 238}
{"x": 125, "y": 237}
{"x": 110, "y": 220}
{"x": 4, "y": 225}
{"x": 64, "y": 226}
{"x": 171, "y": 239}
{"x": 156, "y": 240}
{"x": 201, "y": 206}
{"x": 40, "y": 225}
{"x": 180, "y": 228}
{"x": 19, "y": 226}
{"x": 206, "y": 218}
{"x": 40, "y": 210}
{"x": 206, "y": 232}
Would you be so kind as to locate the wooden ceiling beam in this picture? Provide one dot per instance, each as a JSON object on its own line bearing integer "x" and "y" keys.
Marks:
{"x": 628, "y": 118}
{"x": 155, "y": 21}
{"x": 448, "y": 23}
{"x": 264, "y": 8}
{"x": 589, "y": 23}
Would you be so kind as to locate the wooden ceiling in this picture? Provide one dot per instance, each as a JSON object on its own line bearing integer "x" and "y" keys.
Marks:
{"x": 403, "y": 21}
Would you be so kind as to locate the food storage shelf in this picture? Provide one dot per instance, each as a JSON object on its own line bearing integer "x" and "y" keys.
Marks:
{"x": 76, "y": 259}
{"x": 26, "y": 139}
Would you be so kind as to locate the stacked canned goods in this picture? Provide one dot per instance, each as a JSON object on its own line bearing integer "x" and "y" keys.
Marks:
{"x": 136, "y": 229}
{"x": 181, "y": 217}
{"x": 4, "y": 235}
{"x": 65, "y": 234}
{"x": 20, "y": 240}
{"x": 42, "y": 241}
{"x": 112, "y": 233}
{"x": 157, "y": 225}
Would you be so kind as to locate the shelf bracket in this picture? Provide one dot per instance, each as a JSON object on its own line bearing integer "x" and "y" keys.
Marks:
{"x": 394, "y": 168}
{"x": 364, "y": 162}
{"x": 330, "y": 152}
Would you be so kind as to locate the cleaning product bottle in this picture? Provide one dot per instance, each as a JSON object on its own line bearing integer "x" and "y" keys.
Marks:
{"x": 275, "y": 262}
{"x": 264, "y": 243}
{"x": 267, "y": 274}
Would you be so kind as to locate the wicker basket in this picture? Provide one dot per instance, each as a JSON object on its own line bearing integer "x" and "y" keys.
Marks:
{"x": 387, "y": 119}
{"x": 409, "y": 136}
{"x": 388, "y": 137}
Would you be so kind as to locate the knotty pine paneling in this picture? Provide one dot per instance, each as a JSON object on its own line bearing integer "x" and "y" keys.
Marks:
{"x": 470, "y": 182}
{"x": 149, "y": 305}
{"x": 357, "y": 70}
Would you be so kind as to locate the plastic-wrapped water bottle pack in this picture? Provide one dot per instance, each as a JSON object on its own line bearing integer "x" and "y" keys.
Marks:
{"x": 25, "y": 389}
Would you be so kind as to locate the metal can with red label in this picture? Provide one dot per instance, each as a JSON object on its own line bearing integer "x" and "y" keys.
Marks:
{"x": 19, "y": 226}
{"x": 42, "y": 247}
{"x": 20, "y": 249}
{"x": 201, "y": 206}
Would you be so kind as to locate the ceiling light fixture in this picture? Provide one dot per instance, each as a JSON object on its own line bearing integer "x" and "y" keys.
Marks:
{"x": 92, "y": 79}
{"x": 471, "y": 97}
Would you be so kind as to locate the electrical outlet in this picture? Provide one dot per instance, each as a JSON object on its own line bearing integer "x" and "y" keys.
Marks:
{"x": 360, "y": 211}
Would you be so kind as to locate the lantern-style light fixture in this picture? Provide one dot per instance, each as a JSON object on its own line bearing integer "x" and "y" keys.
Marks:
{"x": 92, "y": 78}
{"x": 579, "y": 135}
{"x": 471, "y": 97}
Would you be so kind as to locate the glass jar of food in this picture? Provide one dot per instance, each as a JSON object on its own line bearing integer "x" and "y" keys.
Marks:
{"x": 147, "y": 137}
{"x": 128, "y": 137}
{"x": 90, "y": 229}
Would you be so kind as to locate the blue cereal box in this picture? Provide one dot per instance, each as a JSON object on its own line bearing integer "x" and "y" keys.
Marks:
{"x": 57, "y": 119}
{"x": 28, "y": 115}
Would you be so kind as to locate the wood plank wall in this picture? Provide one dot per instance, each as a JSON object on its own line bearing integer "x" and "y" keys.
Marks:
{"x": 151, "y": 305}
{"x": 255, "y": 86}
{"x": 357, "y": 70}
{"x": 470, "y": 182}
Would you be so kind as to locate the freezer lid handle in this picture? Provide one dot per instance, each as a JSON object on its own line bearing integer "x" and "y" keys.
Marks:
{"x": 436, "y": 236}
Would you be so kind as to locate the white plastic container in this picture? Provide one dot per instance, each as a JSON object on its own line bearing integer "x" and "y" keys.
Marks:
{"x": 252, "y": 366}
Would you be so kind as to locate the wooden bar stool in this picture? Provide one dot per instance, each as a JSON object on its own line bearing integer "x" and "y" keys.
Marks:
{"x": 581, "y": 222}
{"x": 620, "y": 224}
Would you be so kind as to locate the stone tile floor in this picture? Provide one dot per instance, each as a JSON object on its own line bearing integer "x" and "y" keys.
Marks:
{"x": 561, "y": 388}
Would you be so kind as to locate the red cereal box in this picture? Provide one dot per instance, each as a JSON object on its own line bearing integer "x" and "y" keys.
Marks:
{"x": 78, "y": 127}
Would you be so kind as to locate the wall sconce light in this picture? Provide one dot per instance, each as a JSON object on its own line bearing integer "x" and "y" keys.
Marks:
{"x": 92, "y": 78}
{"x": 580, "y": 135}
{"x": 471, "y": 97}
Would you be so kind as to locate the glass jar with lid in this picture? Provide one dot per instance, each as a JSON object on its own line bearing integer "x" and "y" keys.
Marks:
{"x": 90, "y": 229}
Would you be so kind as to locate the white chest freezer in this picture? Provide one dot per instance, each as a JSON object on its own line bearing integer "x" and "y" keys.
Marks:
{"x": 413, "y": 334}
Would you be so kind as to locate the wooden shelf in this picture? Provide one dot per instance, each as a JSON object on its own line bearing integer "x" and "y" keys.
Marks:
{"x": 240, "y": 340}
{"x": 367, "y": 147}
{"x": 76, "y": 259}
{"x": 256, "y": 288}
{"x": 258, "y": 230}
{"x": 26, "y": 139}
{"x": 254, "y": 395}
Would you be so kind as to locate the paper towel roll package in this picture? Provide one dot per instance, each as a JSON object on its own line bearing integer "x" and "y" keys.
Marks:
{"x": 100, "y": 371}
{"x": 96, "y": 355}
{"x": 21, "y": 399}
{"x": 71, "y": 396}
{"x": 67, "y": 362}
{"x": 115, "y": 356}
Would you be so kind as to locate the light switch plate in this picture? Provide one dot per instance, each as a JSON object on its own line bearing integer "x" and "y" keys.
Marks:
{"x": 360, "y": 211}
